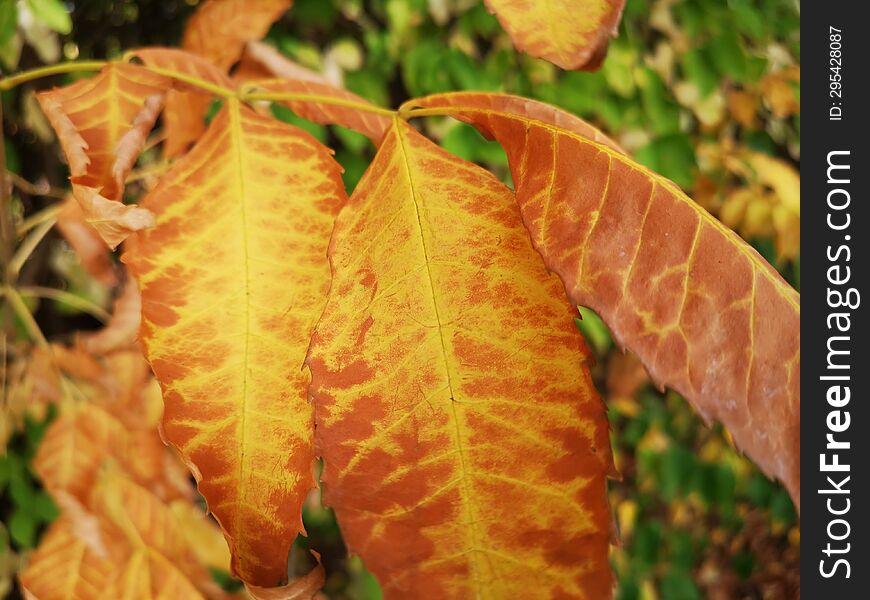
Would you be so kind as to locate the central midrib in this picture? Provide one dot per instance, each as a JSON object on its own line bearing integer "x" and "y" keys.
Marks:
{"x": 234, "y": 112}
{"x": 465, "y": 492}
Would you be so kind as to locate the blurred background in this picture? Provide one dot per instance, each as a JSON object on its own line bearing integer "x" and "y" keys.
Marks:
{"x": 706, "y": 92}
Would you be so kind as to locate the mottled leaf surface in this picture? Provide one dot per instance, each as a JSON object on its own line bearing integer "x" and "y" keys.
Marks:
{"x": 706, "y": 314}
{"x": 571, "y": 34}
{"x": 465, "y": 447}
{"x": 233, "y": 278}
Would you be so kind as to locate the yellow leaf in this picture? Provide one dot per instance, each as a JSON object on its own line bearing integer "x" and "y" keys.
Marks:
{"x": 570, "y": 34}
{"x": 461, "y": 433}
{"x": 233, "y": 278}
{"x": 705, "y": 313}
{"x": 65, "y": 568}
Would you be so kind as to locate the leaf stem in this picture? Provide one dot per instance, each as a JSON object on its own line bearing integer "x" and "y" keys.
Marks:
{"x": 20, "y": 309}
{"x": 26, "y": 249}
{"x": 7, "y": 83}
{"x": 46, "y": 214}
{"x": 71, "y": 299}
{"x": 316, "y": 98}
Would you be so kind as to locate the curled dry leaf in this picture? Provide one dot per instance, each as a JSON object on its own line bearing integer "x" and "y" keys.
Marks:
{"x": 186, "y": 106}
{"x": 101, "y": 123}
{"x": 122, "y": 329}
{"x": 262, "y": 61}
{"x": 113, "y": 220}
{"x": 85, "y": 242}
{"x": 701, "y": 308}
{"x": 461, "y": 434}
{"x": 570, "y": 34}
{"x": 219, "y": 29}
{"x": 244, "y": 217}
{"x": 304, "y": 588}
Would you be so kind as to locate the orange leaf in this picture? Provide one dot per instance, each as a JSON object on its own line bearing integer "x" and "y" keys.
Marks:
{"x": 703, "y": 311}
{"x": 338, "y": 106}
{"x": 123, "y": 328}
{"x": 262, "y": 61}
{"x": 245, "y": 219}
{"x": 486, "y": 103}
{"x": 462, "y": 436}
{"x": 64, "y": 568}
{"x": 219, "y": 29}
{"x": 304, "y": 588}
{"x": 132, "y": 513}
{"x": 571, "y": 35}
{"x": 101, "y": 123}
{"x": 85, "y": 242}
{"x": 74, "y": 448}
{"x": 186, "y": 107}
{"x": 148, "y": 575}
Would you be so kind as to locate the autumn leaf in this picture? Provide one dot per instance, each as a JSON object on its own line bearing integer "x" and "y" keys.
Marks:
{"x": 122, "y": 329}
{"x": 485, "y": 103}
{"x": 262, "y": 61}
{"x": 186, "y": 106}
{"x": 85, "y": 242}
{"x": 461, "y": 433}
{"x": 703, "y": 311}
{"x": 233, "y": 278}
{"x": 101, "y": 123}
{"x": 571, "y": 35}
{"x": 219, "y": 29}
{"x": 327, "y": 104}
{"x": 65, "y": 567}
{"x": 306, "y": 587}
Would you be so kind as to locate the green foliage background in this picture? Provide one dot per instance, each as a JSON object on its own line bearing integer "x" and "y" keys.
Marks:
{"x": 697, "y": 520}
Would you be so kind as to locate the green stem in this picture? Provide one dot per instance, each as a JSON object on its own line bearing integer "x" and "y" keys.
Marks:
{"x": 72, "y": 300}
{"x": 7, "y": 83}
{"x": 26, "y": 249}
{"x": 317, "y": 99}
{"x": 20, "y": 309}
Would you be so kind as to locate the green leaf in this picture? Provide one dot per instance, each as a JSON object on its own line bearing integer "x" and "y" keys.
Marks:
{"x": 8, "y": 20}
{"x": 22, "y": 528}
{"x": 52, "y": 14}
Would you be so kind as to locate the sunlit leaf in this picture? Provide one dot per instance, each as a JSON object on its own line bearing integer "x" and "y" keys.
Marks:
{"x": 461, "y": 434}
{"x": 572, "y": 35}
{"x": 233, "y": 278}
{"x": 101, "y": 123}
{"x": 702, "y": 309}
